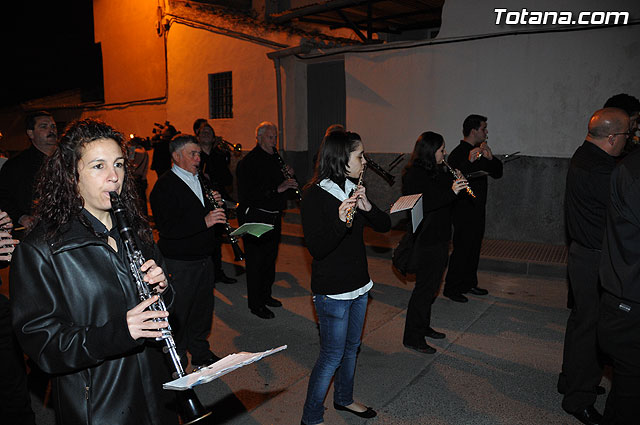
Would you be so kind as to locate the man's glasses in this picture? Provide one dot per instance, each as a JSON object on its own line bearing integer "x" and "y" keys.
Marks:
{"x": 628, "y": 133}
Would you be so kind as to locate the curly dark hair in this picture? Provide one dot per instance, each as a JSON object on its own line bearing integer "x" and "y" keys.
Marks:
{"x": 59, "y": 200}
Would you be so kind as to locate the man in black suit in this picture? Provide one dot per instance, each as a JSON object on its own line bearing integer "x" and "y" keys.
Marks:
{"x": 263, "y": 191}
{"x": 587, "y": 195}
{"x": 187, "y": 242}
{"x": 471, "y": 155}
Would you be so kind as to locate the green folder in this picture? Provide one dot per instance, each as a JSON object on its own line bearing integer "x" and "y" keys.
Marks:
{"x": 254, "y": 229}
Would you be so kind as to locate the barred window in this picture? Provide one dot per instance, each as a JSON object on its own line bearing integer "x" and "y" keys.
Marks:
{"x": 220, "y": 95}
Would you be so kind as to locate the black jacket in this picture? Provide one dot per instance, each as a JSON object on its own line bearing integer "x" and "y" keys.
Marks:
{"x": 437, "y": 201}
{"x": 179, "y": 217}
{"x": 259, "y": 175}
{"x": 17, "y": 181}
{"x": 69, "y": 303}
{"x": 339, "y": 256}
{"x": 459, "y": 159}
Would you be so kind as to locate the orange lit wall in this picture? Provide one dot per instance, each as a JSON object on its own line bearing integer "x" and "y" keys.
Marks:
{"x": 132, "y": 52}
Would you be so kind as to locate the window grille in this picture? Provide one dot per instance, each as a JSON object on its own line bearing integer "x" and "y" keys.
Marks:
{"x": 220, "y": 95}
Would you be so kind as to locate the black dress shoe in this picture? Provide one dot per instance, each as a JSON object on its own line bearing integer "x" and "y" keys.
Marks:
{"x": 459, "y": 298}
{"x": 588, "y": 416}
{"x": 263, "y": 313}
{"x": 272, "y": 302}
{"x": 420, "y": 348}
{"x": 477, "y": 291}
{"x": 432, "y": 333}
{"x": 221, "y": 277}
{"x": 369, "y": 413}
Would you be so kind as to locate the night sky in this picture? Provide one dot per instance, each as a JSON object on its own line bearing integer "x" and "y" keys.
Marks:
{"x": 47, "y": 47}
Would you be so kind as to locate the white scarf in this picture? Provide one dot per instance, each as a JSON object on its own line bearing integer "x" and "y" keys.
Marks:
{"x": 331, "y": 187}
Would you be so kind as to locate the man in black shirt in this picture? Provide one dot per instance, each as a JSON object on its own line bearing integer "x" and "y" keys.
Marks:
{"x": 18, "y": 175}
{"x": 472, "y": 155}
{"x": 263, "y": 191}
{"x": 586, "y": 200}
{"x": 187, "y": 241}
{"x": 619, "y": 320}
{"x": 214, "y": 164}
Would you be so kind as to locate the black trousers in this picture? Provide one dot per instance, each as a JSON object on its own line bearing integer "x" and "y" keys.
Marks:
{"x": 619, "y": 337}
{"x": 260, "y": 261}
{"x": 192, "y": 313}
{"x": 468, "y": 231}
{"x": 15, "y": 403}
{"x": 581, "y": 367}
{"x": 433, "y": 260}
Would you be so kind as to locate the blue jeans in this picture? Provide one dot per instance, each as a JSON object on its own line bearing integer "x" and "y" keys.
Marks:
{"x": 341, "y": 324}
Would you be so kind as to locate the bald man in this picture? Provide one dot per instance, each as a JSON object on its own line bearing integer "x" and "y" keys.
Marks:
{"x": 586, "y": 200}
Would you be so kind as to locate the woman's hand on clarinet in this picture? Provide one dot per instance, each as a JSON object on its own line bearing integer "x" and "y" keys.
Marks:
{"x": 344, "y": 207}
{"x": 216, "y": 216}
{"x": 362, "y": 202}
{"x": 459, "y": 184}
{"x": 154, "y": 276}
{"x": 7, "y": 243}
{"x": 140, "y": 321}
{"x": 5, "y": 221}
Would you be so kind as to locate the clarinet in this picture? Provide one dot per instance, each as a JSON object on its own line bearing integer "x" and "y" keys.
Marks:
{"x": 458, "y": 175}
{"x": 352, "y": 211}
{"x": 191, "y": 409}
{"x": 208, "y": 193}
{"x": 285, "y": 171}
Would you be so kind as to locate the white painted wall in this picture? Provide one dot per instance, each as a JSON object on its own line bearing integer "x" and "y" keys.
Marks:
{"x": 538, "y": 90}
{"x": 193, "y": 54}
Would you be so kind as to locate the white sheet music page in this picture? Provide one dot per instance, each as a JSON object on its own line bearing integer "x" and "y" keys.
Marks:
{"x": 218, "y": 369}
{"x": 405, "y": 203}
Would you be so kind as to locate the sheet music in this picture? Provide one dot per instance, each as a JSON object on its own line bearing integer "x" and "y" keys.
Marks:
{"x": 218, "y": 369}
{"x": 254, "y": 229}
{"x": 405, "y": 202}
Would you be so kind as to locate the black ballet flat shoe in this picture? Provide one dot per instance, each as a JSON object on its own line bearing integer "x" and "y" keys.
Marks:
{"x": 369, "y": 413}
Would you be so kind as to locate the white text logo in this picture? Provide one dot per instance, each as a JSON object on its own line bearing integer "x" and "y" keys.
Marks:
{"x": 526, "y": 17}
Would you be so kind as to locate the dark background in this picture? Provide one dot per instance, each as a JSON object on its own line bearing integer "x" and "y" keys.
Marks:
{"x": 46, "y": 48}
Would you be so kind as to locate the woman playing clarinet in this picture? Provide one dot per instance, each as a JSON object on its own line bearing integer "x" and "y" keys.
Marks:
{"x": 340, "y": 280}
{"x": 76, "y": 311}
{"x": 425, "y": 174}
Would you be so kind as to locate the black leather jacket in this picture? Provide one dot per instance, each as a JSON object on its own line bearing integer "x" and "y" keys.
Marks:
{"x": 69, "y": 301}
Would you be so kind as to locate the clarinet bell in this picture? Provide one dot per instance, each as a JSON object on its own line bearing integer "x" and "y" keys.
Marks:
{"x": 191, "y": 409}
{"x": 237, "y": 252}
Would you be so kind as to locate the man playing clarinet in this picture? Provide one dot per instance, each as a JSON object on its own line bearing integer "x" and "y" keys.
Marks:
{"x": 263, "y": 190}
